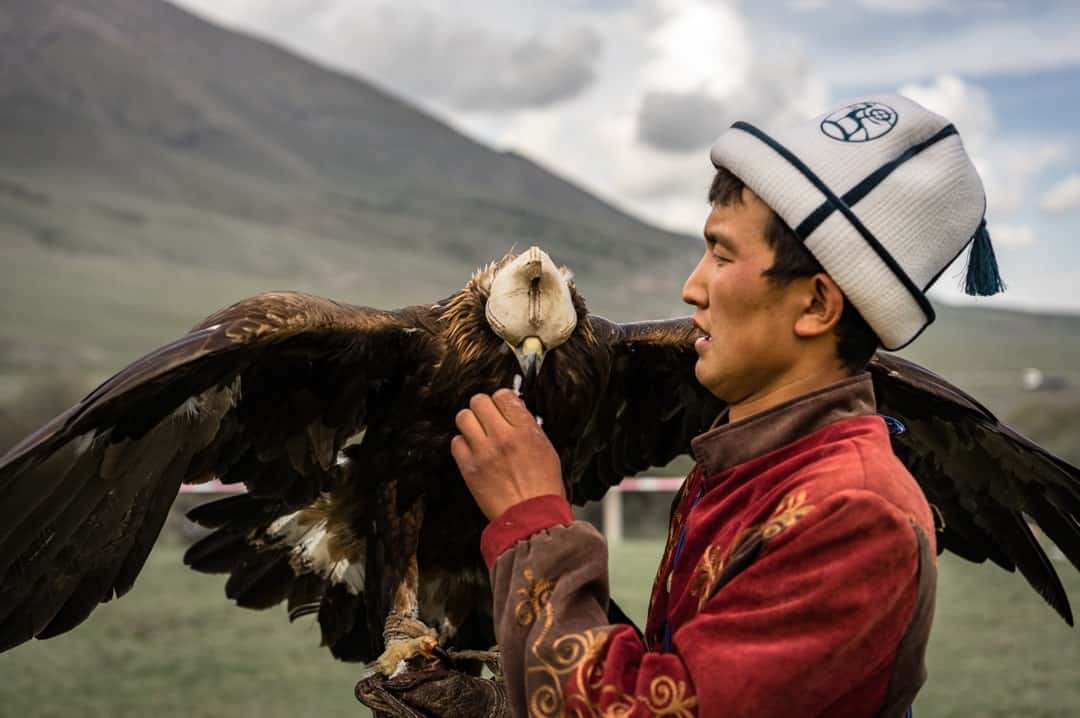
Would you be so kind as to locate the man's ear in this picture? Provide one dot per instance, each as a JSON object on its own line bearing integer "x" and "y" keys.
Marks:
{"x": 823, "y": 305}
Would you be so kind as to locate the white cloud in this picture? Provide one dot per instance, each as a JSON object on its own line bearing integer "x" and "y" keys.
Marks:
{"x": 1010, "y": 166}
{"x": 698, "y": 54}
{"x": 538, "y": 72}
{"x": 1010, "y": 45}
{"x": 964, "y": 104}
{"x": 969, "y": 8}
{"x": 808, "y": 5}
{"x": 697, "y": 46}
{"x": 680, "y": 121}
{"x": 902, "y": 7}
{"x": 702, "y": 74}
{"x": 1011, "y": 236}
{"x": 773, "y": 93}
{"x": 1031, "y": 158}
{"x": 602, "y": 155}
{"x": 1063, "y": 196}
{"x": 431, "y": 55}
{"x": 641, "y": 139}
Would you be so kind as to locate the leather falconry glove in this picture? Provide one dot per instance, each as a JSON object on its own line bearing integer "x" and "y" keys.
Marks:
{"x": 434, "y": 692}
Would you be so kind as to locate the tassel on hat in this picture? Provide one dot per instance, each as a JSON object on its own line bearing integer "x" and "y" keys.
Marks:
{"x": 983, "y": 278}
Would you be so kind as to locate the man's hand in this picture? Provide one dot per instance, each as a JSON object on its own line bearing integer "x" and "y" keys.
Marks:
{"x": 503, "y": 454}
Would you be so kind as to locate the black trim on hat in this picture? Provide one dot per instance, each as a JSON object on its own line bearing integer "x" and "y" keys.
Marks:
{"x": 839, "y": 205}
{"x": 859, "y": 191}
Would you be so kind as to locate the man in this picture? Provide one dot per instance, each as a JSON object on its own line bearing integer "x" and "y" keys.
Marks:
{"x": 799, "y": 574}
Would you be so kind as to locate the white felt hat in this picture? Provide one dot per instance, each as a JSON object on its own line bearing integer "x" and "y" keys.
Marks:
{"x": 883, "y": 195}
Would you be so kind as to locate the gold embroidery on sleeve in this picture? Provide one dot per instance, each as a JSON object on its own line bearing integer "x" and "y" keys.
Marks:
{"x": 667, "y": 698}
{"x": 576, "y": 653}
{"x": 536, "y": 594}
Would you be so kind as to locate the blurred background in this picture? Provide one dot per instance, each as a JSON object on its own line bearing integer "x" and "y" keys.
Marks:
{"x": 158, "y": 161}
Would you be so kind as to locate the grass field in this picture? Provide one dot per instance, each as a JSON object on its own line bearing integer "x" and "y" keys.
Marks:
{"x": 176, "y": 647}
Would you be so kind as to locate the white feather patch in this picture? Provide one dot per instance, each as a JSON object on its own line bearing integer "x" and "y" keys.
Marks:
{"x": 311, "y": 551}
{"x": 212, "y": 402}
{"x": 189, "y": 409}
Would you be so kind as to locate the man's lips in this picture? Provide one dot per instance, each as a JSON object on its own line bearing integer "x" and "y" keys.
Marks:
{"x": 703, "y": 338}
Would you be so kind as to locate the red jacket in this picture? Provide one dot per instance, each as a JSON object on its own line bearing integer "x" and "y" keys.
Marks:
{"x": 798, "y": 580}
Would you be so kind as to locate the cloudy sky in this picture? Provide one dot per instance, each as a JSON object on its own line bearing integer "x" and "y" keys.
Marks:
{"x": 625, "y": 96}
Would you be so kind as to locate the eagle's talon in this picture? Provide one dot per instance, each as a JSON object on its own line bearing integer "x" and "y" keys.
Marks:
{"x": 402, "y": 652}
{"x": 444, "y": 656}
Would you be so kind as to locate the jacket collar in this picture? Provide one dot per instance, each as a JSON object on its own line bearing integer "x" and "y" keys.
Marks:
{"x": 726, "y": 445}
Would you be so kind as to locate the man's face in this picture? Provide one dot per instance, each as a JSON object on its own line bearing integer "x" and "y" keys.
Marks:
{"x": 750, "y": 322}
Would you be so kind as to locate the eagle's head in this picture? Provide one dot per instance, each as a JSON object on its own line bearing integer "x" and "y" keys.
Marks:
{"x": 530, "y": 306}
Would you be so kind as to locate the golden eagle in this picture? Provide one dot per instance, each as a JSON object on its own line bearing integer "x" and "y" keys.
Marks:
{"x": 338, "y": 418}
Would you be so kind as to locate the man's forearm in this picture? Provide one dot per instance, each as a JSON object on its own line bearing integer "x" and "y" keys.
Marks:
{"x": 560, "y": 654}
{"x": 551, "y": 597}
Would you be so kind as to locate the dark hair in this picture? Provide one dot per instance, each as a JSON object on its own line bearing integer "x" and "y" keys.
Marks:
{"x": 855, "y": 340}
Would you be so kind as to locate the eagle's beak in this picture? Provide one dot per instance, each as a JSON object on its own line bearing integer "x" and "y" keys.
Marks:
{"x": 530, "y": 355}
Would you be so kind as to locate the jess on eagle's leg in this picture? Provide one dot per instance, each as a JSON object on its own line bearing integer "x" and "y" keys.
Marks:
{"x": 410, "y": 643}
{"x": 405, "y": 635}
{"x": 415, "y": 676}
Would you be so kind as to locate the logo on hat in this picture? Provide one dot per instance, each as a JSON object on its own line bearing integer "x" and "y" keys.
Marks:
{"x": 860, "y": 122}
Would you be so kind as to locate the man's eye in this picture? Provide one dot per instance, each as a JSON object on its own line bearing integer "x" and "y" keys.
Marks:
{"x": 719, "y": 259}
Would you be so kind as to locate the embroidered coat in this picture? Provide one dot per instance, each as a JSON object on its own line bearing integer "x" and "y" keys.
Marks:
{"x": 798, "y": 580}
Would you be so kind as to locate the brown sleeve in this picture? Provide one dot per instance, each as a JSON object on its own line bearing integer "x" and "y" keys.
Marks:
{"x": 551, "y": 596}
{"x": 560, "y": 654}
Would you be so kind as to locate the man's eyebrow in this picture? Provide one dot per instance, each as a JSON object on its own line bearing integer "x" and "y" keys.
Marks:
{"x": 722, "y": 239}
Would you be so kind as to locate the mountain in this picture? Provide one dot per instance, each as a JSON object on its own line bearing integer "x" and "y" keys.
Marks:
{"x": 134, "y": 129}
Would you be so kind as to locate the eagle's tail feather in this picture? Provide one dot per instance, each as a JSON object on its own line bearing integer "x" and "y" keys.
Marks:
{"x": 261, "y": 582}
{"x": 219, "y": 552}
{"x": 305, "y": 595}
{"x": 344, "y": 630}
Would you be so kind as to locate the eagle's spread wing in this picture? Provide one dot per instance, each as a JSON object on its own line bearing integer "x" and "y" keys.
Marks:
{"x": 266, "y": 391}
{"x": 651, "y": 409}
{"x": 982, "y": 477}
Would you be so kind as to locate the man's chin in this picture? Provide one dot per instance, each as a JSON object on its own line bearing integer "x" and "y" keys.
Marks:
{"x": 707, "y": 380}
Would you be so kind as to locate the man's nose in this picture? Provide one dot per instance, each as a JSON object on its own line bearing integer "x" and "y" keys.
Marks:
{"x": 693, "y": 291}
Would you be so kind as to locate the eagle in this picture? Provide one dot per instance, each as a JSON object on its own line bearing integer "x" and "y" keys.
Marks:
{"x": 337, "y": 419}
